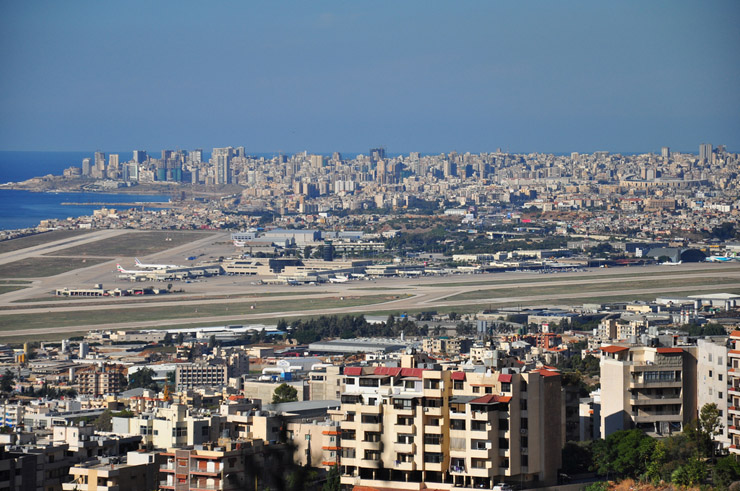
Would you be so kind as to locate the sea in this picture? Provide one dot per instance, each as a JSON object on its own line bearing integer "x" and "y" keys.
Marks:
{"x": 23, "y": 209}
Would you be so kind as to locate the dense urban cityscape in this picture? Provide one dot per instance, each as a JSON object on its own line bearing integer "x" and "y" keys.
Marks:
{"x": 369, "y": 246}
{"x": 436, "y": 383}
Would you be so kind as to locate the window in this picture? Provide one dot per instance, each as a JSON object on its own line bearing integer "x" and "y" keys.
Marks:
{"x": 710, "y": 358}
{"x": 710, "y": 372}
{"x": 505, "y": 386}
{"x": 476, "y": 390}
{"x": 458, "y": 385}
{"x": 433, "y": 439}
{"x": 719, "y": 377}
{"x": 478, "y": 426}
{"x": 719, "y": 395}
{"x": 434, "y": 458}
{"x": 503, "y": 443}
{"x": 457, "y": 424}
{"x": 503, "y": 424}
{"x": 405, "y": 438}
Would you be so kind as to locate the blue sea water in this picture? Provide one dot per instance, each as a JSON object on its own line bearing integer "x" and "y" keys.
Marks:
{"x": 22, "y": 209}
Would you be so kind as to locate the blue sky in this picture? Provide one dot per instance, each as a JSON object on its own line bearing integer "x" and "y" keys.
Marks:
{"x": 322, "y": 76}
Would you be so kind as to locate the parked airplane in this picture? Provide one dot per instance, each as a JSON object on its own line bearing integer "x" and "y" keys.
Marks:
{"x": 722, "y": 259}
{"x": 239, "y": 243}
{"x": 129, "y": 271}
{"x": 339, "y": 279}
{"x": 155, "y": 266}
{"x": 669, "y": 263}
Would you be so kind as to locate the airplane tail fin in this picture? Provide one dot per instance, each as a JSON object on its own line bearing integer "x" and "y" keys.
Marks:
{"x": 136, "y": 260}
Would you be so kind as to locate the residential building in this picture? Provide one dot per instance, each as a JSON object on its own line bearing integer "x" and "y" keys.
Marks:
{"x": 653, "y": 389}
{"x": 96, "y": 380}
{"x": 712, "y": 379}
{"x": 413, "y": 428}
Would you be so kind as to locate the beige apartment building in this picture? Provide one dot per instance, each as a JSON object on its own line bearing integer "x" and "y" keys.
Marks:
{"x": 97, "y": 380}
{"x": 653, "y": 389}
{"x": 733, "y": 391}
{"x": 326, "y": 383}
{"x": 412, "y": 428}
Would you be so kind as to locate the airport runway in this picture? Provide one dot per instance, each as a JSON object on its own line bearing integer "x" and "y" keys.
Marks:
{"x": 423, "y": 293}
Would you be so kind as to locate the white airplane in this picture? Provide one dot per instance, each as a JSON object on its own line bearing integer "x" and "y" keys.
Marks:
{"x": 669, "y": 263}
{"x": 339, "y": 279}
{"x": 722, "y": 259}
{"x": 155, "y": 266}
{"x": 239, "y": 243}
{"x": 129, "y": 271}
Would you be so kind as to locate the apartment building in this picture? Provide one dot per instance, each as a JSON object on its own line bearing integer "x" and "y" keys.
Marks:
{"x": 190, "y": 375}
{"x": 98, "y": 380}
{"x": 733, "y": 390}
{"x": 169, "y": 427}
{"x": 138, "y": 471}
{"x": 325, "y": 383}
{"x": 229, "y": 465}
{"x": 412, "y": 428}
{"x": 445, "y": 346}
{"x": 653, "y": 389}
{"x": 713, "y": 382}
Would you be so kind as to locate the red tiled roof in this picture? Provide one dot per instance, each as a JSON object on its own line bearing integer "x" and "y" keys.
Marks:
{"x": 547, "y": 373}
{"x": 669, "y": 350}
{"x": 412, "y": 372}
{"x": 353, "y": 371}
{"x": 735, "y": 334}
{"x": 613, "y": 349}
{"x": 489, "y": 399}
{"x": 457, "y": 376}
{"x": 504, "y": 377}
{"x": 392, "y": 371}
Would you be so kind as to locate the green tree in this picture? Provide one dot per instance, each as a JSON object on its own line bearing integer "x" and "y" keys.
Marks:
{"x": 710, "y": 426}
{"x": 726, "y": 471}
{"x": 333, "y": 482}
{"x": 7, "y": 382}
{"x": 284, "y": 393}
{"x": 143, "y": 378}
{"x": 691, "y": 473}
{"x": 624, "y": 453}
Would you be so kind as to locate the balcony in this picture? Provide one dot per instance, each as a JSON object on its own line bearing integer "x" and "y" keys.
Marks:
{"x": 167, "y": 467}
{"x": 457, "y": 469}
{"x": 433, "y": 447}
{"x": 644, "y": 400}
{"x": 405, "y": 447}
{"x": 435, "y": 466}
{"x": 433, "y": 430}
{"x": 657, "y": 416}
{"x": 370, "y": 410}
{"x": 480, "y": 453}
{"x": 409, "y": 429}
{"x": 368, "y": 463}
{"x": 480, "y": 416}
{"x": 214, "y": 470}
{"x": 368, "y": 445}
{"x": 166, "y": 485}
{"x": 433, "y": 411}
{"x": 479, "y": 471}
{"x": 660, "y": 384}
{"x": 374, "y": 427}
{"x": 405, "y": 466}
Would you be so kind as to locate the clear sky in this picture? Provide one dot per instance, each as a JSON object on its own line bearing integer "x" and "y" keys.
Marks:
{"x": 428, "y": 76}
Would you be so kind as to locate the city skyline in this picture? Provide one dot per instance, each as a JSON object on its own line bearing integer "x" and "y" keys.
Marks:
{"x": 412, "y": 77}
